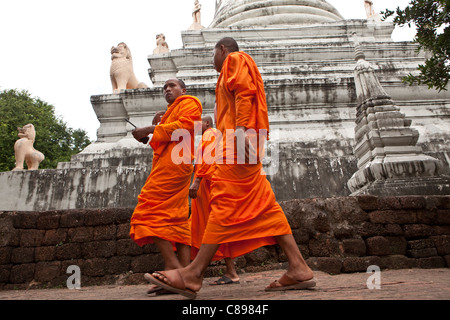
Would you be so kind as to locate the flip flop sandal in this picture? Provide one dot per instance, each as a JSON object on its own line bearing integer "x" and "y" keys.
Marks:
{"x": 177, "y": 283}
{"x": 224, "y": 280}
{"x": 154, "y": 289}
{"x": 287, "y": 283}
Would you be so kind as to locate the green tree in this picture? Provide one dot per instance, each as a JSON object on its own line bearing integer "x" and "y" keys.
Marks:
{"x": 54, "y": 138}
{"x": 432, "y": 20}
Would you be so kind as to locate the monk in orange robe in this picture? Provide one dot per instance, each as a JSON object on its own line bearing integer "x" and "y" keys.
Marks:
{"x": 244, "y": 212}
{"x": 199, "y": 192}
{"x": 162, "y": 213}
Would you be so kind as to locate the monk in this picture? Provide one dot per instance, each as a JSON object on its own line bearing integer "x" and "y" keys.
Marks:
{"x": 199, "y": 192}
{"x": 162, "y": 213}
{"x": 244, "y": 214}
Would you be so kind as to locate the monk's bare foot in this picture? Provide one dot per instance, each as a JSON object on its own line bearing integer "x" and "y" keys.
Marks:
{"x": 300, "y": 275}
{"x": 193, "y": 283}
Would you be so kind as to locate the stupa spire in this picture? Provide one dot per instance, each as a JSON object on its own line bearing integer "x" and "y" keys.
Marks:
{"x": 273, "y": 12}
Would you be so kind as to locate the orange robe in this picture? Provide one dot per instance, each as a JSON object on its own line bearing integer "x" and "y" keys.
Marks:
{"x": 204, "y": 168}
{"x": 244, "y": 213}
{"x": 163, "y": 204}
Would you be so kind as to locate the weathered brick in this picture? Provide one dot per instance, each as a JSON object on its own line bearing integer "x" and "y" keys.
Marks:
{"x": 95, "y": 267}
{"x": 22, "y": 255}
{"x": 356, "y": 247}
{"x": 397, "y": 262}
{"x": 300, "y": 236}
{"x": 427, "y": 217}
{"x": 393, "y": 216}
{"x": 325, "y": 264}
{"x": 442, "y": 244}
{"x": 422, "y": 253}
{"x": 54, "y": 237}
{"x": 368, "y": 202}
{"x": 444, "y": 202}
{"x": 72, "y": 219}
{"x": 378, "y": 246}
{"x": 118, "y": 265}
{"x": 324, "y": 247}
{"x": 397, "y": 245}
{"x": 147, "y": 263}
{"x": 418, "y": 230}
{"x": 9, "y": 236}
{"x": 48, "y": 220}
{"x": 127, "y": 247}
{"x": 5, "y": 272}
{"x": 31, "y": 237}
{"x": 359, "y": 264}
{"x": 122, "y": 215}
{"x": 389, "y": 203}
{"x": 258, "y": 256}
{"x": 446, "y": 259}
{"x": 107, "y": 232}
{"x": 81, "y": 234}
{"x": 98, "y": 218}
{"x": 98, "y": 249}
{"x": 123, "y": 231}
{"x": 443, "y": 216}
{"x": 26, "y": 220}
{"x": 5, "y": 255}
{"x": 68, "y": 251}
{"x": 368, "y": 229}
{"x": 422, "y": 248}
{"x": 392, "y": 229}
{"x": 47, "y": 271}
{"x": 421, "y": 244}
{"x": 44, "y": 253}
{"x": 412, "y": 202}
{"x": 431, "y": 262}
{"x": 22, "y": 273}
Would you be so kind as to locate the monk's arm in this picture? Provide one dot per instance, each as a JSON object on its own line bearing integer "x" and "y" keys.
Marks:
{"x": 244, "y": 90}
{"x": 141, "y": 133}
{"x": 194, "y": 187}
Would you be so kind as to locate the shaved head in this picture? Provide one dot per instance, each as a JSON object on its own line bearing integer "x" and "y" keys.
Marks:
{"x": 207, "y": 122}
{"x": 228, "y": 43}
{"x": 222, "y": 49}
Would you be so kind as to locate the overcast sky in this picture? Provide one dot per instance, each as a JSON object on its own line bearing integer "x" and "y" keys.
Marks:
{"x": 60, "y": 50}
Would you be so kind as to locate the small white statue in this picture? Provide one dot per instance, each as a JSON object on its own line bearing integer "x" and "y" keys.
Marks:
{"x": 161, "y": 44}
{"x": 370, "y": 12}
{"x": 24, "y": 150}
{"x": 121, "y": 72}
{"x": 197, "y": 16}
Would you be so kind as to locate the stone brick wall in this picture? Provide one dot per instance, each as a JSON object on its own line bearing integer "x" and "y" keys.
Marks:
{"x": 337, "y": 235}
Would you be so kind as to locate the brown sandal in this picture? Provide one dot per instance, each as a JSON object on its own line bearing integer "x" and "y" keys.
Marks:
{"x": 173, "y": 282}
{"x": 287, "y": 283}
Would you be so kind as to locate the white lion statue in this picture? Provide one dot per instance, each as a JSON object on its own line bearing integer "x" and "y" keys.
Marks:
{"x": 122, "y": 73}
{"x": 24, "y": 150}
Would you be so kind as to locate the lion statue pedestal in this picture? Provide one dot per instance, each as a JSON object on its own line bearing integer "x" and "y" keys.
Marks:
{"x": 121, "y": 72}
{"x": 24, "y": 150}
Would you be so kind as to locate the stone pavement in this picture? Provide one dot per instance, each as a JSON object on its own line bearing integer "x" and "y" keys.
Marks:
{"x": 404, "y": 284}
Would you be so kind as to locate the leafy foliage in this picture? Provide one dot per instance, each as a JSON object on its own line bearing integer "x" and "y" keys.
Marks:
{"x": 432, "y": 19}
{"x": 54, "y": 138}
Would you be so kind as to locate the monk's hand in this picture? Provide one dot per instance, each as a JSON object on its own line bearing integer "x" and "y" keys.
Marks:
{"x": 193, "y": 189}
{"x": 141, "y": 134}
{"x": 157, "y": 118}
